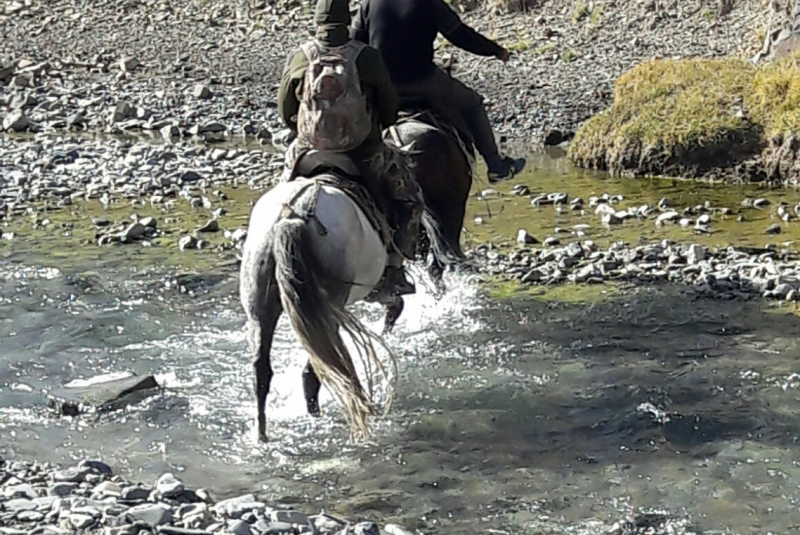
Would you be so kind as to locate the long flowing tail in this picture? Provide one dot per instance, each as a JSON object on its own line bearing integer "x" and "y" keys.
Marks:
{"x": 316, "y": 320}
{"x": 446, "y": 250}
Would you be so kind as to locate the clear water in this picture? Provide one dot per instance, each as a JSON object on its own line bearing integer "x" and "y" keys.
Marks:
{"x": 518, "y": 415}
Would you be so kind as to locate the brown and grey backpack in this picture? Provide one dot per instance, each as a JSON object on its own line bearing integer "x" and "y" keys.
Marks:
{"x": 333, "y": 114}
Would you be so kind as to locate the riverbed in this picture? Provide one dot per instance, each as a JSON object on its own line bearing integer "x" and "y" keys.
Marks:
{"x": 558, "y": 412}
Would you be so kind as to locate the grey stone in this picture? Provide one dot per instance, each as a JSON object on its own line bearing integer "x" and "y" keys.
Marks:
{"x": 62, "y": 489}
{"x": 102, "y": 395}
{"x": 16, "y": 122}
{"x": 290, "y": 517}
{"x": 132, "y": 494}
{"x": 234, "y": 507}
{"x": 96, "y": 466}
{"x": 211, "y": 226}
{"x": 187, "y": 242}
{"x": 240, "y": 527}
{"x": 152, "y": 514}
{"x": 279, "y": 528}
{"x": 129, "y": 64}
{"x": 23, "y": 490}
{"x": 172, "y": 530}
{"x": 201, "y": 91}
{"x": 20, "y": 504}
{"x": 169, "y": 486}
{"x": 30, "y": 516}
{"x": 523, "y": 238}
{"x": 81, "y": 521}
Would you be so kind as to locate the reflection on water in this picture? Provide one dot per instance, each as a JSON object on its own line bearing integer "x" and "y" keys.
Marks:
{"x": 515, "y": 415}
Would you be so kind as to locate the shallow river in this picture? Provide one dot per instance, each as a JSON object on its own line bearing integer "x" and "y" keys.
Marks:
{"x": 513, "y": 415}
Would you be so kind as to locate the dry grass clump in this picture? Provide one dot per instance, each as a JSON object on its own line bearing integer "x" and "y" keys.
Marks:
{"x": 668, "y": 103}
{"x": 774, "y": 100}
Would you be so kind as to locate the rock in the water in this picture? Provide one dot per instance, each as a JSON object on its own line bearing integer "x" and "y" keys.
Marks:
{"x": 553, "y": 137}
{"x": 101, "y": 394}
{"x": 211, "y": 226}
{"x": 773, "y": 229}
{"x": 187, "y": 242}
{"x": 523, "y": 238}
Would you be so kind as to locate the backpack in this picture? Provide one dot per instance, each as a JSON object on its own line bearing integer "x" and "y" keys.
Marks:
{"x": 333, "y": 114}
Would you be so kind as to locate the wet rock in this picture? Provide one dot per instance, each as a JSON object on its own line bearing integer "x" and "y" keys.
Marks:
{"x": 761, "y": 203}
{"x": 101, "y": 394}
{"x": 667, "y": 217}
{"x": 553, "y": 137}
{"x": 611, "y": 219}
{"x": 523, "y": 238}
{"x": 551, "y": 241}
{"x": 773, "y": 229}
{"x": 520, "y": 189}
{"x": 211, "y": 226}
{"x": 187, "y": 242}
{"x": 134, "y": 494}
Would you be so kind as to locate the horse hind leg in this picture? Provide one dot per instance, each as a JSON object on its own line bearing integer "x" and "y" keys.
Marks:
{"x": 262, "y": 328}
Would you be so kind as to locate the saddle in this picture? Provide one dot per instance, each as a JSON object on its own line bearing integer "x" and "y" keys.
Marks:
{"x": 342, "y": 173}
{"x": 416, "y": 110}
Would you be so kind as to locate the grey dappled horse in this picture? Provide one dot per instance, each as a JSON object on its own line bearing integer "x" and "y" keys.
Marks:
{"x": 311, "y": 252}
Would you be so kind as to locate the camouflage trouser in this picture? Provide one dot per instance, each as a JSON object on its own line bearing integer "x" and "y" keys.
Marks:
{"x": 386, "y": 173}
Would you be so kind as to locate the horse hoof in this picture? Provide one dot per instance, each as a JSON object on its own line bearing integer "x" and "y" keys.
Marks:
{"x": 313, "y": 411}
{"x": 263, "y": 438}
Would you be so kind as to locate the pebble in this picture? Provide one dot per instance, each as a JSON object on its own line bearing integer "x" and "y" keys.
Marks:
{"x": 168, "y": 486}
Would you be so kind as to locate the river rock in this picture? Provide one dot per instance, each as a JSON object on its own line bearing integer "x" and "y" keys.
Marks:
{"x": 62, "y": 489}
{"x": 695, "y": 254}
{"x": 211, "y": 226}
{"x": 773, "y": 229}
{"x": 152, "y": 514}
{"x": 523, "y": 238}
{"x": 23, "y": 490}
{"x": 168, "y": 486}
{"x": 101, "y": 394}
{"x": 16, "y": 122}
{"x": 394, "y": 529}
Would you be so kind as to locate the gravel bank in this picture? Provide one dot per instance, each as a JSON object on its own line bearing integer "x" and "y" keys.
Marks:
{"x": 193, "y": 67}
{"x": 38, "y": 498}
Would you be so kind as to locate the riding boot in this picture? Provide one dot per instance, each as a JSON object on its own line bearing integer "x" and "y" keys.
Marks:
{"x": 500, "y": 168}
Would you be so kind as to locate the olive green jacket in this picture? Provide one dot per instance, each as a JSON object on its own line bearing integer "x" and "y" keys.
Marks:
{"x": 382, "y": 99}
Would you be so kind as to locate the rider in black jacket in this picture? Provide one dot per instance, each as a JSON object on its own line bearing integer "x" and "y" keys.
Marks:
{"x": 404, "y": 32}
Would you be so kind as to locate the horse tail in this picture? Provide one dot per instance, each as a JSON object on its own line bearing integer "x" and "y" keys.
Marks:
{"x": 316, "y": 320}
{"x": 446, "y": 250}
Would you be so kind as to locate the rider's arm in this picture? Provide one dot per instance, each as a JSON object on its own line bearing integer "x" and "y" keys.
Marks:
{"x": 288, "y": 104}
{"x": 454, "y": 30}
{"x": 360, "y": 28}
{"x": 373, "y": 73}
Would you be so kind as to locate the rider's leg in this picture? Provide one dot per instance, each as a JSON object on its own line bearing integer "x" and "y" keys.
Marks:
{"x": 445, "y": 95}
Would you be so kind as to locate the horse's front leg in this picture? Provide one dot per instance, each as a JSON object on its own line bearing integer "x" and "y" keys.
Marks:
{"x": 436, "y": 272}
{"x": 393, "y": 310}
